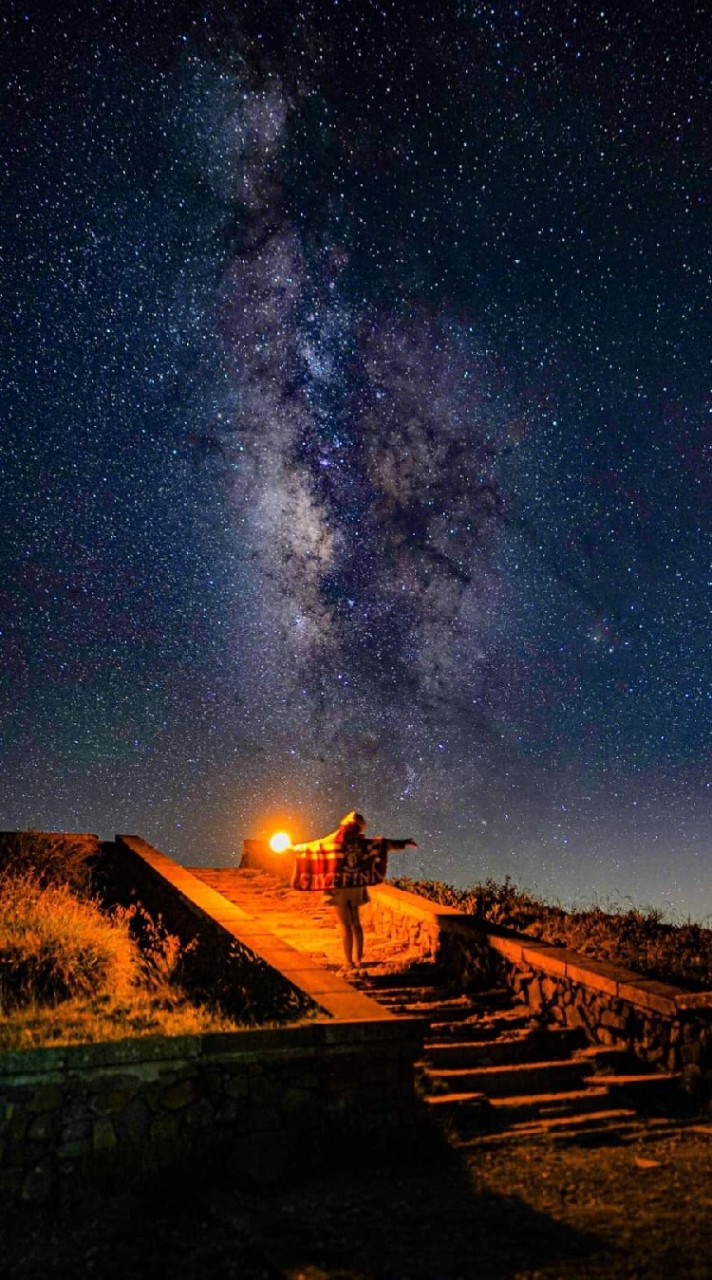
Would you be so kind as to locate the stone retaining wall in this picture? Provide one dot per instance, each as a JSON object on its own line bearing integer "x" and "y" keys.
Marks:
{"x": 665, "y": 1026}
{"x": 264, "y": 1100}
{"x": 670, "y": 1036}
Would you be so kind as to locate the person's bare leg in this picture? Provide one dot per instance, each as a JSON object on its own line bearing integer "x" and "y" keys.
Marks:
{"x": 343, "y": 915}
{"x": 357, "y": 932}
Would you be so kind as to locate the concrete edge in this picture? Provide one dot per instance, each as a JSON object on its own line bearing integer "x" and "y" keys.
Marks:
{"x": 51, "y": 1065}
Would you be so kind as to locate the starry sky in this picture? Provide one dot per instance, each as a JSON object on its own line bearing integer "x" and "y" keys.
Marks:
{"x": 356, "y": 432}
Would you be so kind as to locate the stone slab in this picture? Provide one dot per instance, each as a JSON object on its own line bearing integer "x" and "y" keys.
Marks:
{"x": 510, "y": 948}
{"x": 554, "y": 961}
{"x": 410, "y": 903}
{"x": 697, "y": 1000}
{"x": 353, "y": 1007}
{"x": 596, "y": 974}
{"x": 647, "y": 994}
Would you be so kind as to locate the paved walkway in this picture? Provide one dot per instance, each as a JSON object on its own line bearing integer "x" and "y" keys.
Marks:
{"x": 301, "y": 919}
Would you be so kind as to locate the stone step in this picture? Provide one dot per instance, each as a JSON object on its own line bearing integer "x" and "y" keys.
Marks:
{"x": 435, "y": 992}
{"x": 638, "y": 1130}
{"x": 481, "y": 1027}
{"x": 471, "y": 1115}
{"x": 409, "y": 995}
{"x": 620, "y": 1119}
{"x": 491, "y": 1001}
{"x": 576, "y": 1120}
{"x": 648, "y": 1091}
{"x": 522, "y": 1108}
{"x": 414, "y": 975}
{"x": 646, "y": 1079}
{"x": 515, "y": 1078}
{"x": 455, "y": 1010}
{"x": 606, "y": 1058}
{"x": 524, "y": 1046}
{"x": 468, "y": 1112}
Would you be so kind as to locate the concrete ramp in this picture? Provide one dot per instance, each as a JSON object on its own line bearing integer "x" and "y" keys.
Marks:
{"x": 240, "y": 919}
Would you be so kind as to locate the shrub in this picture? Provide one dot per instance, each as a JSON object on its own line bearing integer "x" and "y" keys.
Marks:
{"x": 636, "y": 938}
{"x": 162, "y": 953}
{"x": 72, "y": 975}
{"x": 51, "y": 857}
{"x": 54, "y": 946}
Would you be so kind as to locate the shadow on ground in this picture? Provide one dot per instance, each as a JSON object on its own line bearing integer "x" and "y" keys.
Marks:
{"x": 366, "y": 1211}
{"x": 406, "y": 1214}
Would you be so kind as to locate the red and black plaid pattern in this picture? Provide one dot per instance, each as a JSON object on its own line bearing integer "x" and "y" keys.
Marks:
{"x": 324, "y": 864}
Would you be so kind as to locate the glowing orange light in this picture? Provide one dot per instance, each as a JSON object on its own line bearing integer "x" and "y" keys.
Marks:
{"x": 280, "y": 841}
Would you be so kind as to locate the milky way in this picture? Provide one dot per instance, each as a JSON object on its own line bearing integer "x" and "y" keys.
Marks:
{"x": 359, "y": 445}
{"x": 355, "y": 434}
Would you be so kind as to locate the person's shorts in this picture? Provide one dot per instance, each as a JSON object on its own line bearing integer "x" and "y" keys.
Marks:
{"x": 344, "y": 897}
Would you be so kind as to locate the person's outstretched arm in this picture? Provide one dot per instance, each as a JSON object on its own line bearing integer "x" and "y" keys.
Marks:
{"x": 395, "y": 845}
{"x": 326, "y": 843}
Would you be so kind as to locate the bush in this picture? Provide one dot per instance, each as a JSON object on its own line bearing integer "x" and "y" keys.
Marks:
{"x": 636, "y": 938}
{"x": 54, "y": 946}
{"x": 162, "y": 954}
{"x": 73, "y": 973}
{"x": 70, "y": 974}
{"x": 51, "y": 857}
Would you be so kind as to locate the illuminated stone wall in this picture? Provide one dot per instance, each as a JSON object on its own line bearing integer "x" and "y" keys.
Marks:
{"x": 665, "y": 1026}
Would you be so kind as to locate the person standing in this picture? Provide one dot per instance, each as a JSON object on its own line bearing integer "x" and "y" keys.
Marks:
{"x": 363, "y": 861}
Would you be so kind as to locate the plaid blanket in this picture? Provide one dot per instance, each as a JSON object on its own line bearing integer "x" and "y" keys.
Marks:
{"x": 321, "y": 866}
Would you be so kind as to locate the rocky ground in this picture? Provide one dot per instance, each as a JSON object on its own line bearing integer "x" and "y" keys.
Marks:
{"x": 517, "y": 1212}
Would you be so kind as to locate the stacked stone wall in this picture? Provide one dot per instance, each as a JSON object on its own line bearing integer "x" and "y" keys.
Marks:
{"x": 671, "y": 1038}
{"x": 259, "y": 1099}
{"x": 666, "y": 1027}
{"x": 414, "y": 933}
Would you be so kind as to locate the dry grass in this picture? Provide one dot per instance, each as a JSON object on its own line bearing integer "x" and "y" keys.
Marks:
{"x": 636, "y": 937}
{"x": 108, "y": 1017}
{"x": 51, "y": 857}
{"x": 71, "y": 972}
{"x": 55, "y": 946}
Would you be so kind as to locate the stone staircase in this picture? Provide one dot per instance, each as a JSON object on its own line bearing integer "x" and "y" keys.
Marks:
{"x": 493, "y": 1073}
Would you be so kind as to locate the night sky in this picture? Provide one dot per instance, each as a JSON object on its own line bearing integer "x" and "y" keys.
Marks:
{"x": 355, "y": 432}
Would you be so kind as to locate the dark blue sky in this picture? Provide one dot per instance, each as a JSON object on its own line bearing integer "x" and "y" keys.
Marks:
{"x": 356, "y": 433}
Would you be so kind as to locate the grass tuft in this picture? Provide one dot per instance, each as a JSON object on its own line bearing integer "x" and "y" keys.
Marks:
{"x": 71, "y": 972}
{"x": 51, "y": 857}
{"x": 55, "y": 946}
